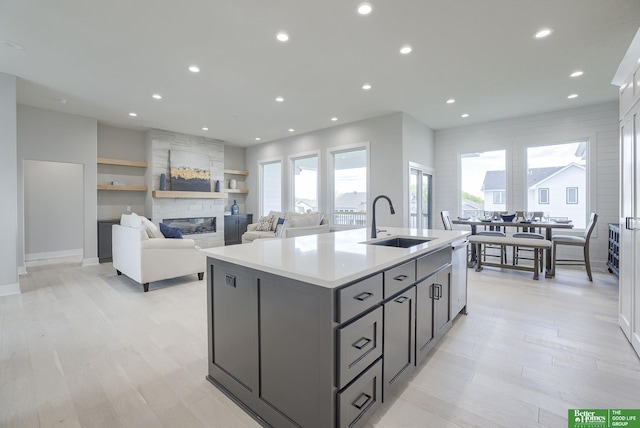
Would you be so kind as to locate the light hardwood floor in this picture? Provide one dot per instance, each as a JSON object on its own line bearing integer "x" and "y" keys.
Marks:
{"x": 85, "y": 347}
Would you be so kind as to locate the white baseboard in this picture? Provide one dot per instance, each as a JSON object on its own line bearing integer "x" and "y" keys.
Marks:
{"x": 53, "y": 255}
{"x": 93, "y": 261}
{"x": 22, "y": 270}
{"x": 9, "y": 289}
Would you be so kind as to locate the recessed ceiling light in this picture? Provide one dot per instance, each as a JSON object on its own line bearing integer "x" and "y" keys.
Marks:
{"x": 365, "y": 8}
{"x": 157, "y": 96}
{"x": 132, "y": 114}
{"x": 366, "y": 86}
{"x": 194, "y": 69}
{"x": 405, "y": 50}
{"x": 291, "y": 129}
{"x": 204, "y": 128}
{"x": 13, "y": 45}
{"x": 464, "y": 115}
{"x": 572, "y": 96}
{"x": 334, "y": 119}
{"x": 542, "y": 33}
{"x": 279, "y": 99}
{"x": 577, "y": 73}
{"x": 257, "y": 138}
{"x": 282, "y": 36}
{"x": 451, "y": 101}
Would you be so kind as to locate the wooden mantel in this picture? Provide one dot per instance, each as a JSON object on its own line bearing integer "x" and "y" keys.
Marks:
{"x": 188, "y": 195}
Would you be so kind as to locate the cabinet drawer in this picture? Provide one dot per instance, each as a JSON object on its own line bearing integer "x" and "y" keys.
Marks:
{"x": 398, "y": 278}
{"x": 359, "y": 297}
{"x": 361, "y": 399}
{"x": 359, "y": 345}
{"x": 432, "y": 262}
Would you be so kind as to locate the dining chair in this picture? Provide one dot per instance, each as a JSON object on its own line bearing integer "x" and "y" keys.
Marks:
{"x": 494, "y": 230}
{"x": 576, "y": 241}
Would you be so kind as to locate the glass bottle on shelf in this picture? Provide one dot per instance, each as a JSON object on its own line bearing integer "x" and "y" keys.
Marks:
{"x": 234, "y": 208}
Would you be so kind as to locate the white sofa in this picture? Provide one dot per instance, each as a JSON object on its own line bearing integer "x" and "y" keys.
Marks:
{"x": 289, "y": 229}
{"x": 141, "y": 252}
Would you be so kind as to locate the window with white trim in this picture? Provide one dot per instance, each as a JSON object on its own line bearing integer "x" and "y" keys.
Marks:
{"x": 349, "y": 179}
{"x": 270, "y": 186}
{"x": 305, "y": 181}
{"x": 572, "y": 195}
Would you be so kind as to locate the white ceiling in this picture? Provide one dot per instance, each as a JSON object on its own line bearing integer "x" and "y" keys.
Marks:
{"x": 106, "y": 58}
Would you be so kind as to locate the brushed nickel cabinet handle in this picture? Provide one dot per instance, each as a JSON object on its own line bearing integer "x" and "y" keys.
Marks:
{"x": 361, "y": 401}
{"x": 363, "y": 296}
{"x": 361, "y": 343}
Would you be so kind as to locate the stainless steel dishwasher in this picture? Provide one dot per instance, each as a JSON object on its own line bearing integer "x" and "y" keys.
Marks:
{"x": 459, "y": 277}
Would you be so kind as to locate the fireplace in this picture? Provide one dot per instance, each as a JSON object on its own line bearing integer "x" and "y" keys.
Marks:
{"x": 193, "y": 225}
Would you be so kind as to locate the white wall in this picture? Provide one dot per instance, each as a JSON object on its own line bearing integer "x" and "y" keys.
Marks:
{"x": 598, "y": 124}
{"x": 47, "y": 135}
{"x": 388, "y": 154}
{"x": 53, "y": 222}
{"x": 8, "y": 186}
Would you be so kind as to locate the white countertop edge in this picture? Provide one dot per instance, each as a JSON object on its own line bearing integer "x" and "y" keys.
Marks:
{"x": 325, "y": 246}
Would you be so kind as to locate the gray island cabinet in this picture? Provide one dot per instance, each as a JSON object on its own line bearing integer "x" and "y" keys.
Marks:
{"x": 313, "y": 331}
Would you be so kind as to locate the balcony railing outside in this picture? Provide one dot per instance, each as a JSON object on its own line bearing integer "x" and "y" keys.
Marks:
{"x": 350, "y": 218}
{"x": 414, "y": 220}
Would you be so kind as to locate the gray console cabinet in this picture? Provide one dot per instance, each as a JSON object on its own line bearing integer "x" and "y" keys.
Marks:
{"x": 294, "y": 354}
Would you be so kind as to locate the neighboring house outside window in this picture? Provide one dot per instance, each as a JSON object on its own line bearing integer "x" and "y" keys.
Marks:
{"x": 543, "y": 195}
{"x": 572, "y": 195}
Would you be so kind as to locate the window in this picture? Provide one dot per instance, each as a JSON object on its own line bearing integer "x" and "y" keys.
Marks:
{"x": 499, "y": 197}
{"x": 350, "y": 186}
{"x": 483, "y": 182}
{"x": 271, "y": 187}
{"x": 572, "y": 195}
{"x": 420, "y": 182}
{"x": 543, "y": 195}
{"x": 305, "y": 183}
{"x": 561, "y": 169}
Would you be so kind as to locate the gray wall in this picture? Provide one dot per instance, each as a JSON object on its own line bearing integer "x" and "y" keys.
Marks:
{"x": 8, "y": 186}
{"x": 53, "y": 222}
{"x": 59, "y": 137}
{"x": 598, "y": 123}
{"x": 123, "y": 144}
{"x": 388, "y": 172}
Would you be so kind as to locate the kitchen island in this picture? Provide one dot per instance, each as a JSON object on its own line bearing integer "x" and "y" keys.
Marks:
{"x": 313, "y": 331}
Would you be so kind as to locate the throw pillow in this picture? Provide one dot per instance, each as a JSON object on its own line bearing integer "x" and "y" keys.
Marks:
{"x": 275, "y": 215}
{"x": 264, "y": 224}
{"x": 152, "y": 229}
{"x": 170, "y": 232}
{"x": 279, "y": 227}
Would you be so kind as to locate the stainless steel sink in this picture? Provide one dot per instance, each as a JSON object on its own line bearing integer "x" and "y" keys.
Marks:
{"x": 400, "y": 242}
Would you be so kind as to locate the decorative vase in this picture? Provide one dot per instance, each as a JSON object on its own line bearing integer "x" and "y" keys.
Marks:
{"x": 232, "y": 184}
{"x": 234, "y": 208}
{"x": 163, "y": 182}
{"x": 217, "y": 185}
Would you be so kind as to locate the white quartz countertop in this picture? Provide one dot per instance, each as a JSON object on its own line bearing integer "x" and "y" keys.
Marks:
{"x": 332, "y": 259}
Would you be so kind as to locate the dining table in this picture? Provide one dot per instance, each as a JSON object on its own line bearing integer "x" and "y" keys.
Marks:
{"x": 548, "y": 226}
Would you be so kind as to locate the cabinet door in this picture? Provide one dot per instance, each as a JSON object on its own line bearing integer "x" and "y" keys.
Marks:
{"x": 399, "y": 336}
{"x": 424, "y": 318}
{"x": 234, "y": 347}
{"x": 230, "y": 230}
{"x": 627, "y": 234}
{"x": 442, "y": 308}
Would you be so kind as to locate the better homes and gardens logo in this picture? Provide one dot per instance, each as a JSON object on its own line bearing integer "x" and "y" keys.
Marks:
{"x": 603, "y": 418}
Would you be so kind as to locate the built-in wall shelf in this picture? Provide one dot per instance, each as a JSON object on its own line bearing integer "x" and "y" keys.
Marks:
{"x": 245, "y": 191}
{"x": 188, "y": 195}
{"x": 122, "y": 188}
{"x": 137, "y": 164}
{"x": 236, "y": 172}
